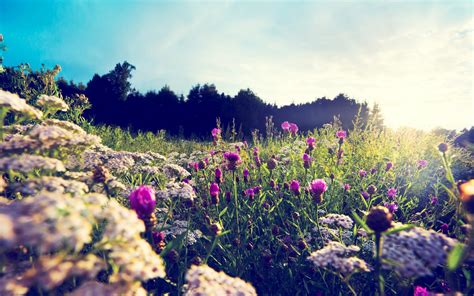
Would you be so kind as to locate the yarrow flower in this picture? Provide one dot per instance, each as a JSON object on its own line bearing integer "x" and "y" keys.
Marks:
{"x": 317, "y": 188}
{"x": 52, "y": 102}
{"x": 392, "y": 193}
{"x": 337, "y": 220}
{"x": 143, "y": 201}
{"x": 295, "y": 187}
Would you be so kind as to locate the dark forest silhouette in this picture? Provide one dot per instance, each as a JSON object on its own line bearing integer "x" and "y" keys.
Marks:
{"x": 115, "y": 102}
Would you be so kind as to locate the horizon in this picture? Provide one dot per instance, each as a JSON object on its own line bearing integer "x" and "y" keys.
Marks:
{"x": 413, "y": 59}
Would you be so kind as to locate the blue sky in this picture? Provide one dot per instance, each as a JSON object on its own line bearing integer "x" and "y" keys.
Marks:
{"x": 415, "y": 58}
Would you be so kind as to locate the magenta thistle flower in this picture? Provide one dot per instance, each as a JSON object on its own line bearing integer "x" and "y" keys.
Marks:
{"x": 318, "y": 187}
{"x": 420, "y": 291}
{"x": 218, "y": 175}
{"x": 365, "y": 195}
{"x": 143, "y": 201}
{"x": 391, "y": 193}
{"x": 285, "y": 126}
{"x": 250, "y": 193}
{"x": 422, "y": 163}
{"x": 233, "y": 160}
{"x": 392, "y": 207}
{"x": 341, "y": 134}
{"x": 216, "y": 132}
{"x": 295, "y": 187}
{"x": 388, "y": 166}
{"x": 362, "y": 173}
{"x": 433, "y": 200}
{"x": 246, "y": 175}
{"x": 347, "y": 187}
{"x": 214, "y": 189}
{"x": 311, "y": 141}
{"x": 444, "y": 228}
{"x": 373, "y": 171}
{"x": 306, "y": 161}
{"x": 293, "y": 128}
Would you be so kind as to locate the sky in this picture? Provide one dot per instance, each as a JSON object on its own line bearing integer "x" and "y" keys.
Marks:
{"x": 414, "y": 58}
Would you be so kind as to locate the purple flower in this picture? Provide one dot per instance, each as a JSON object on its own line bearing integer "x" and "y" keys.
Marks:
{"x": 371, "y": 189}
{"x": 306, "y": 161}
{"x": 444, "y": 228}
{"x": 318, "y": 187}
{"x": 214, "y": 189}
{"x": 293, "y": 128}
{"x": 143, "y": 201}
{"x": 233, "y": 160}
{"x": 433, "y": 200}
{"x": 373, "y": 171}
{"x": 422, "y": 163}
{"x": 391, "y": 193}
{"x": 311, "y": 141}
{"x": 341, "y": 134}
{"x": 365, "y": 194}
{"x": 218, "y": 175}
{"x": 257, "y": 189}
{"x": 250, "y": 193}
{"x": 388, "y": 166}
{"x": 285, "y": 126}
{"x": 347, "y": 187}
{"x": 420, "y": 291}
{"x": 158, "y": 236}
{"x": 246, "y": 175}
{"x": 216, "y": 132}
{"x": 295, "y": 187}
{"x": 362, "y": 173}
{"x": 392, "y": 207}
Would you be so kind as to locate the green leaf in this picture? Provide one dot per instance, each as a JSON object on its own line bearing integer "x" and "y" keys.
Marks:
{"x": 455, "y": 256}
{"x": 398, "y": 229}
{"x": 361, "y": 222}
{"x": 223, "y": 212}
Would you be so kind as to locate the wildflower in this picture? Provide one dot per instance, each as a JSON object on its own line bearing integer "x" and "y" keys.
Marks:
{"x": 216, "y": 132}
{"x": 338, "y": 257}
{"x": 26, "y": 163}
{"x": 273, "y": 184}
{"x": 420, "y": 291}
{"x": 202, "y": 164}
{"x": 388, "y": 166}
{"x": 218, "y": 176}
{"x": 173, "y": 171}
{"x": 433, "y": 200}
{"x": 52, "y": 103}
{"x": 306, "y": 161}
{"x": 317, "y": 188}
{"x": 379, "y": 219}
{"x": 293, "y": 128}
{"x": 228, "y": 196}
{"x": 257, "y": 189}
{"x": 295, "y": 187}
{"x": 341, "y": 134}
{"x": 216, "y": 228}
{"x": 392, "y": 207}
{"x": 143, "y": 201}
{"x": 272, "y": 163}
{"x": 362, "y": 173}
{"x": 337, "y": 220}
{"x": 422, "y": 163}
{"x": 467, "y": 195}
{"x": 392, "y": 193}
{"x": 14, "y": 103}
{"x": 214, "y": 192}
{"x": 373, "y": 171}
{"x": 365, "y": 195}
{"x": 250, "y": 193}
{"x": 203, "y": 280}
{"x": 444, "y": 228}
{"x": 256, "y": 157}
{"x": 246, "y": 175}
{"x": 285, "y": 126}
{"x": 443, "y": 147}
{"x": 347, "y": 187}
{"x": 311, "y": 142}
{"x": 233, "y": 160}
{"x": 371, "y": 189}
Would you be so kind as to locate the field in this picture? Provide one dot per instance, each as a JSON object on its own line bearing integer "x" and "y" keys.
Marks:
{"x": 96, "y": 210}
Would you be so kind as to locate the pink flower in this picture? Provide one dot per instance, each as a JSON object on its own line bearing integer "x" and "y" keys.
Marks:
{"x": 143, "y": 201}
{"x": 306, "y": 161}
{"x": 392, "y": 207}
{"x": 214, "y": 189}
{"x": 250, "y": 193}
{"x": 293, "y": 128}
{"x": 362, "y": 173}
{"x": 310, "y": 141}
{"x": 285, "y": 126}
{"x": 216, "y": 132}
{"x": 422, "y": 163}
{"x": 233, "y": 160}
{"x": 420, "y": 291}
{"x": 347, "y": 187}
{"x": 391, "y": 193}
{"x": 341, "y": 134}
{"x": 295, "y": 187}
{"x": 318, "y": 187}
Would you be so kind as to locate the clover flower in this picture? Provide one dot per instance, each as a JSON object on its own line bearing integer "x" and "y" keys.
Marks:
{"x": 214, "y": 192}
{"x": 285, "y": 126}
{"x": 420, "y": 291}
{"x": 341, "y": 134}
{"x": 422, "y": 163}
{"x": 293, "y": 128}
{"x": 233, "y": 160}
{"x": 347, "y": 187}
{"x": 365, "y": 195}
{"x": 338, "y": 257}
{"x": 362, "y": 173}
{"x": 317, "y": 188}
{"x": 379, "y": 219}
{"x": 388, "y": 166}
{"x": 392, "y": 193}
{"x": 311, "y": 141}
{"x": 295, "y": 187}
{"x": 250, "y": 193}
{"x": 216, "y": 133}
{"x": 306, "y": 161}
{"x": 246, "y": 175}
{"x": 143, "y": 201}
{"x": 256, "y": 157}
{"x": 392, "y": 207}
{"x": 203, "y": 280}
{"x": 218, "y": 176}
{"x": 371, "y": 190}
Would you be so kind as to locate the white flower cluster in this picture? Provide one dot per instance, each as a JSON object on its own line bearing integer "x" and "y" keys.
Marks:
{"x": 179, "y": 227}
{"x": 182, "y": 159}
{"x": 337, "y": 220}
{"x": 173, "y": 171}
{"x": 416, "y": 252}
{"x": 26, "y": 163}
{"x": 177, "y": 190}
{"x": 339, "y": 258}
{"x": 14, "y": 103}
{"x": 51, "y": 184}
{"x": 52, "y": 102}
{"x": 203, "y": 280}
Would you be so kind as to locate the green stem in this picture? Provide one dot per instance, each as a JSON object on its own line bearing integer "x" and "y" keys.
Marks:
{"x": 378, "y": 274}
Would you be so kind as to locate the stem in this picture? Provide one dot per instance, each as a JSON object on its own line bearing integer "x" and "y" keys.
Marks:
{"x": 317, "y": 226}
{"x": 378, "y": 250}
{"x": 236, "y": 203}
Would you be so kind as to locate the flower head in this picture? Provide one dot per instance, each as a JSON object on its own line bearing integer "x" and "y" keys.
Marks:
{"x": 422, "y": 163}
{"x": 379, "y": 219}
{"x": 295, "y": 187}
{"x": 216, "y": 132}
{"x": 443, "y": 147}
{"x": 293, "y": 128}
{"x": 306, "y": 161}
{"x": 218, "y": 175}
{"x": 347, "y": 187}
{"x": 233, "y": 160}
{"x": 311, "y": 141}
{"x": 388, "y": 166}
{"x": 341, "y": 134}
{"x": 285, "y": 126}
{"x": 143, "y": 201}
{"x": 214, "y": 189}
{"x": 420, "y": 291}
{"x": 250, "y": 193}
{"x": 391, "y": 193}
{"x": 317, "y": 188}
{"x": 392, "y": 207}
{"x": 362, "y": 173}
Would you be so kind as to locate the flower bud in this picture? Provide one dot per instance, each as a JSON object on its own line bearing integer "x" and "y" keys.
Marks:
{"x": 379, "y": 219}
{"x": 371, "y": 189}
{"x": 443, "y": 147}
{"x": 143, "y": 201}
{"x": 271, "y": 164}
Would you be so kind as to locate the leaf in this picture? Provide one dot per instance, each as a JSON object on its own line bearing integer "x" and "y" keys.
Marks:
{"x": 455, "y": 256}
{"x": 361, "y": 222}
{"x": 223, "y": 212}
{"x": 398, "y": 229}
